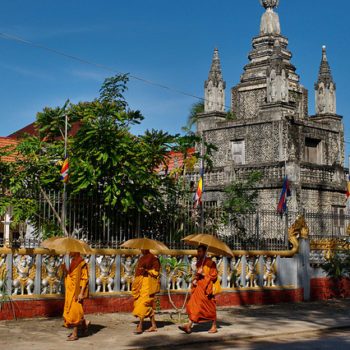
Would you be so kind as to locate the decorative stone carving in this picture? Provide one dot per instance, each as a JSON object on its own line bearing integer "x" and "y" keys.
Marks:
{"x": 219, "y": 267}
{"x": 127, "y": 273}
{"x": 234, "y": 273}
{"x": 270, "y": 22}
{"x": 23, "y": 274}
{"x": 325, "y": 88}
{"x": 194, "y": 265}
{"x": 269, "y": 272}
{"x": 3, "y": 273}
{"x": 214, "y": 87}
{"x": 251, "y": 273}
{"x": 269, "y": 3}
{"x": 105, "y": 272}
{"x": 277, "y": 77}
{"x": 51, "y": 275}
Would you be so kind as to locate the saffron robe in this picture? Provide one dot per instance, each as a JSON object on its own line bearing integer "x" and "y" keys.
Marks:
{"x": 146, "y": 284}
{"x": 201, "y": 306}
{"x": 76, "y": 280}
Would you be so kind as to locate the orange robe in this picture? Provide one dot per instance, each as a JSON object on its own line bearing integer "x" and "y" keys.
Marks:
{"x": 145, "y": 286}
{"x": 77, "y": 279}
{"x": 201, "y": 306}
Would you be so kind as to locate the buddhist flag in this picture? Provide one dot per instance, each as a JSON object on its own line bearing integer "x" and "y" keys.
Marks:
{"x": 282, "y": 204}
{"x": 198, "y": 195}
{"x": 348, "y": 188}
{"x": 65, "y": 170}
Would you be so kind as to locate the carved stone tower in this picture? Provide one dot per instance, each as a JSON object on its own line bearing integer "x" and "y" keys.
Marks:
{"x": 325, "y": 98}
{"x": 214, "y": 87}
{"x": 270, "y": 129}
{"x": 214, "y": 97}
{"x": 269, "y": 73}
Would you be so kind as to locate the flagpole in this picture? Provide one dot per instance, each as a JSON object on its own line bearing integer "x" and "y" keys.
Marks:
{"x": 64, "y": 198}
{"x": 347, "y": 185}
{"x": 202, "y": 170}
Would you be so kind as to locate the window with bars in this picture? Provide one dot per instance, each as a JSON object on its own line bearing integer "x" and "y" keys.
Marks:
{"x": 338, "y": 220}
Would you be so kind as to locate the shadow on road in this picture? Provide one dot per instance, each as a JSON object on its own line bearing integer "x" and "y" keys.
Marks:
{"x": 93, "y": 329}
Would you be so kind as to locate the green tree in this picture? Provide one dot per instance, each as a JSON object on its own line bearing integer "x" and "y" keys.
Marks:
{"x": 196, "y": 109}
{"x": 241, "y": 196}
{"x": 241, "y": 199}
{"x": 106, "y": 159}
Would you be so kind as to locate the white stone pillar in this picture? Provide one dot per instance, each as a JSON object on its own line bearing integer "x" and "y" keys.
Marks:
{"x": 7, "y": 232}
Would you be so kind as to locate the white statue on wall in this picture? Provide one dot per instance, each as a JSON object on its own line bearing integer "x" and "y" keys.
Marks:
{"x": 332, "y": 99}
{"x": 277, "y": 87}
{"x": 284, "y": 87}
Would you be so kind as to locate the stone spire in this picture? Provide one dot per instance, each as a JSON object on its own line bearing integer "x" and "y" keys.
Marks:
{"x": 270, "y": 22}
{"x": 325, "y": 73}
{"x": 325, "y": 87}
{"x": 214, "y": 87}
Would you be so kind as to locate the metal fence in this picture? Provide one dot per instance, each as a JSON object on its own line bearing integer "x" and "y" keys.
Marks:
{"x": 103, "y": 226}
{"x": 328, "y": 225}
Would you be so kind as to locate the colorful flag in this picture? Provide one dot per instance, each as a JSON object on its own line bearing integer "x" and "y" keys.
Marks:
{"x": 65, "y": 171}
{"x": 282, "y": 204}
{"x": 348, "y": 188}
{"x": 198, "y": 195}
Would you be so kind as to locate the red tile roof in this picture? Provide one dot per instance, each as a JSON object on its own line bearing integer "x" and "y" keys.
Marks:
{"x": 175, "y": 160}
{"x": 10, "y": 143}
{"x": 31, "y": 130}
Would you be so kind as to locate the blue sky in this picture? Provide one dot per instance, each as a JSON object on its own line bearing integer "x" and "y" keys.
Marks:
{"x": 170, "y": 42}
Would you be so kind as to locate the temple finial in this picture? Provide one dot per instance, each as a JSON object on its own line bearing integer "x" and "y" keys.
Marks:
{"x": 270, "y": 22}
{"x": 269, "y": 4}
{"x": 325, "y": 72}
{"x": 215, "y": 69}
{"x": 215, "y": 86}
{"x": 325, "y": 88}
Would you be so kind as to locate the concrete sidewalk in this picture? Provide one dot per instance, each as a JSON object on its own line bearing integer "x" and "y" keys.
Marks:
{"x": 115, "y": 331}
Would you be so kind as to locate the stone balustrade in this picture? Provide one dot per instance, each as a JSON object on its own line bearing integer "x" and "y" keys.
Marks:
{"x": 222, "y": 176}
{"x": 317, "y": 175}
{"x": 34, "y": 273}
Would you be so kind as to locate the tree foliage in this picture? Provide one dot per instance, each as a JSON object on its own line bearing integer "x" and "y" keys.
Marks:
{"x": 105, "y": 158}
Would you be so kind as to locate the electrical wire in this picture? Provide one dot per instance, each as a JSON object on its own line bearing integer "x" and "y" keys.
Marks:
{"x": 21, "y": 40}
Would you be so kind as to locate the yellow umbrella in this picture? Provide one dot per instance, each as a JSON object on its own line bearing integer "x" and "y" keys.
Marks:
{"x": 64, "y": 245}
{"x": 144, "y": 244}
{"x": 215, "y": 246}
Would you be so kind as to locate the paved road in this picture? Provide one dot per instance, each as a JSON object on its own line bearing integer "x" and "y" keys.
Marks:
{"x": 240, "y": 326}
{"x": 339, "y": 340}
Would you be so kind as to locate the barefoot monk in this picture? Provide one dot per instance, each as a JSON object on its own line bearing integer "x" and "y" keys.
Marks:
{"x": 201, "y": 306}
{"x": 144, "y": 288}
{"x": 76, "y": 290}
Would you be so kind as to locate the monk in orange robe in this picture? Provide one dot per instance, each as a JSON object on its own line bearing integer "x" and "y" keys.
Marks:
{"x": 201, "y": 306}
{"x": 76, "y": 290}
{"x": 146, "y": 284}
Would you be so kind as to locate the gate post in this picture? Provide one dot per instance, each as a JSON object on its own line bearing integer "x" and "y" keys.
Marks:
{"x": 304, "y": 275}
